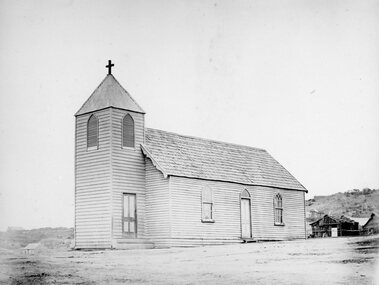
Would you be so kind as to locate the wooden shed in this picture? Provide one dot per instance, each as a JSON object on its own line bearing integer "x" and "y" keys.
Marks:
{"x": 142, "y": 187}
{"x": 31, "y": 248}
{"x": 329, "y": 226}
{"x": 372, "y": 225}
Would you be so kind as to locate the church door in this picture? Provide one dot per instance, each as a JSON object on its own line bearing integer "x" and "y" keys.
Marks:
{"x": 129, "y": 218}
{"x": 245, "y": 218}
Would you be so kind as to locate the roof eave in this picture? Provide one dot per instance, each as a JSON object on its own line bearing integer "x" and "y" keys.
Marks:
{"x": 235, "y": 182}
{"x": 148, "y": 154}
{"x": 88, "y": 112}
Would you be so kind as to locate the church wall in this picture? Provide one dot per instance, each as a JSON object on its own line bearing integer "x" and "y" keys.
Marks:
{"x": 188, "y": 229}
{"x": 158, "y": 227}
{"x": 128, "y": 172}
{"x": 263, "y": 214}
{"x": 92, "y": 185}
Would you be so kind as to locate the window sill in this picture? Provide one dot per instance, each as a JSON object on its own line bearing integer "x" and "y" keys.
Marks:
{"x": 279, "y": 224}
{"x": 207, "y": 220}
{"x": 129, "y": 235}
{"x": 92, "y": 148}
{"x": 128, "y": 147}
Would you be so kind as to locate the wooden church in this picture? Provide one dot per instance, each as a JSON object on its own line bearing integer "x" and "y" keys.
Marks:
{"x": 137, "y": 187}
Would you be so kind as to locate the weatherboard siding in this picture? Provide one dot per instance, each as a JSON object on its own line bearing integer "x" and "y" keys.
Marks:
{"x": 158, "y": 219}
{"x": 92, "y": 185}
{"x": 128, "y": 172}
{"x": 263, "y": 214}
{"x": 188, "y": 229}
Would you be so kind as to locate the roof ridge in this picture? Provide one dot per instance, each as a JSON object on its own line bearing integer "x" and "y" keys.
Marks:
{"x": 211, "y": 140}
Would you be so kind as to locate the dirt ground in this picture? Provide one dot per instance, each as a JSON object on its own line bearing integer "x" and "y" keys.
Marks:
{"x": 315, "y": 261}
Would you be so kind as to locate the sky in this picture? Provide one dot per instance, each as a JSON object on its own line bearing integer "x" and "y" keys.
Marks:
{"x": 297, "y": 78}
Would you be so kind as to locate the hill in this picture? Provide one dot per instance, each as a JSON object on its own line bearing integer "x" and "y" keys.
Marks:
{"x": 50, "y": 237}
{"x": 354, "y": 203}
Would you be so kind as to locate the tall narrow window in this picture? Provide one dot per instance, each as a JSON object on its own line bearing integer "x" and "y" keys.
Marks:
{"x": 278, "y": 209}
{"x": 207, "y": 210}
{"x": 92, "y": 132}
{"x": 127, "y": 131}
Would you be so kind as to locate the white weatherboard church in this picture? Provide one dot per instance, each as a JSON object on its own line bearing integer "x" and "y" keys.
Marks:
{"x": 137, "y": 187}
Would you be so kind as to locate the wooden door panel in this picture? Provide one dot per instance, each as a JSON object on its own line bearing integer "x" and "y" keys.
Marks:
{"x": 245, "y": 218}
{"x": 129, "y": 216}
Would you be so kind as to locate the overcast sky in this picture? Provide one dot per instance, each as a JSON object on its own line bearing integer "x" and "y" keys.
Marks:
{"x": 298, "y": 78}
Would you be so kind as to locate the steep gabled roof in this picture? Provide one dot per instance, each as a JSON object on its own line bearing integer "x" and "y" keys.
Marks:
{"x": 110, "y": 93}
{"x": 186, "y": 156}
{"x": 371, "y": 217}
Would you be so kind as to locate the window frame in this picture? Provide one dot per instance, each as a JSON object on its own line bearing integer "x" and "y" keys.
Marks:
{"x": 207, "y": 199}
{"x": 93, "y": 147}
{"x": 278, "y": 210}
{"x": 122, "y": 132}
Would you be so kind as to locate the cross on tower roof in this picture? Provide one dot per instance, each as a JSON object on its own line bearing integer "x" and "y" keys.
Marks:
{"x": 109, "y": 66}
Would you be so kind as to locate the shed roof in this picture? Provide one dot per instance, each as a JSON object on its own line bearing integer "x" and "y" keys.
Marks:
{"x": 342, "y": 219}
{"x": 109, "y": 93}
{"x": 360, "y": 221}
{"x": 193, "y": 157}
{"x": 32, "y": 246}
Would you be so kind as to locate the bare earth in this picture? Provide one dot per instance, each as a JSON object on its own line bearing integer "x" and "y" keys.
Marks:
{"x": 315, "y": 261}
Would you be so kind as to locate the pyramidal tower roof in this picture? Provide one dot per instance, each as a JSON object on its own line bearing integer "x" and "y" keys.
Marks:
{"x": 109, "y": 93}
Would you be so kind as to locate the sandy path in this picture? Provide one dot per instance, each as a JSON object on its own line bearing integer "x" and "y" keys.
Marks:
{"x": 315, "y": 261}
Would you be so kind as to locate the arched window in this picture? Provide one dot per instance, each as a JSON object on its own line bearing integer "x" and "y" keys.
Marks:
{"x": 278, "y": 209}
{"x": 207, "y": 209}
{"x": 245, "y": 194}
{"x": 92, "y": 132}
{"x": 127, "y": 131}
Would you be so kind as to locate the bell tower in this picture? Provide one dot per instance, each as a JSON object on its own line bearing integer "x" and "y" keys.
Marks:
{"x": 109, "y": 167}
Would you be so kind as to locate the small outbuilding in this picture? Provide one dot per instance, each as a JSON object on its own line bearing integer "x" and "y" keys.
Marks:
{"x": 361, "y": 221}
{"x": 372, "y": 225}
{"x": 31, "y": 248}
{"x": 329, "y": 226}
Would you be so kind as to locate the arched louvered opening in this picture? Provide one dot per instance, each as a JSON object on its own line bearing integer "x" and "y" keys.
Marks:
{"x": 127, "y": 131}
{"x": 93, "y": 132}
{"x": 278, "y": 209}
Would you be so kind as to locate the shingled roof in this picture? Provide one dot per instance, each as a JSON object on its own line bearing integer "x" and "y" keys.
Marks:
{"x": 186, "y": 156}
{"x": 109, "y": 93}
{"x": 329, "y": 219}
